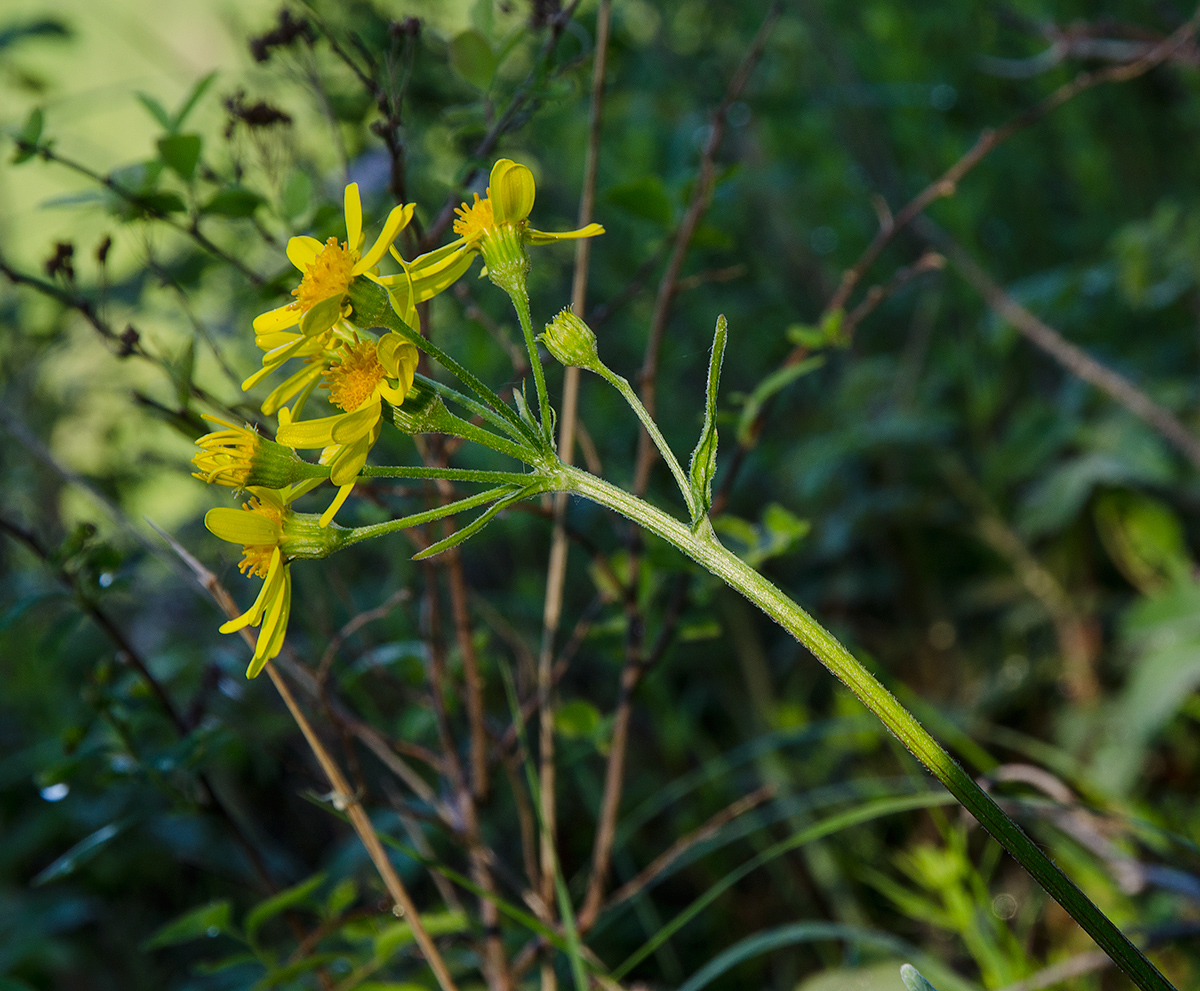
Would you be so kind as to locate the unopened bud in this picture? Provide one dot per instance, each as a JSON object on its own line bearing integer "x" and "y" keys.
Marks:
{"x": 571, "y": 341}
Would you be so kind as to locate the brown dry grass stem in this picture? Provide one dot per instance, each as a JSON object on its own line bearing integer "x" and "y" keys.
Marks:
{"x": 944, "y": 186}
{"x": 343, "y": 796}
{"x": 1074, "y": 359}
{"x": 947, "y": 184}
{"x": 556, "y": 572}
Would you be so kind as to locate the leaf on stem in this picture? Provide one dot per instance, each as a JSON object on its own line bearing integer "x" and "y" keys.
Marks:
{"x": 477, "y": 524}
{"x": 704, "y": 457}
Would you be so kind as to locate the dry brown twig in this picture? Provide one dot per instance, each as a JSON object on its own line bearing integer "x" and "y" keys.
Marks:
{"x": 344, "y": 797}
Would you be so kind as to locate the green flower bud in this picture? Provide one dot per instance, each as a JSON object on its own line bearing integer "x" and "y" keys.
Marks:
{"x": 571, "y": 341}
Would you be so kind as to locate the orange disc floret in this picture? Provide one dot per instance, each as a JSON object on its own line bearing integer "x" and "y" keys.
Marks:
{"x": 353, "y": 375}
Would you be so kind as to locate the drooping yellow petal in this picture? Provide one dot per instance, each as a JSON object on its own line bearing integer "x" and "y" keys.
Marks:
{"x": 351, "y": 426}
{"x": 353, "y": 216}
{"x": 253, "y": 615}
{"x": 277, "y": 319}
{"x": 303, "y": 250}
{"x": 289, "y": 387}
{"x": 428, "y": 275}
{"x": 339, "y": 500}
{"x": 543, "y": 237}
{"x": 240, "y": 526}
{"x": 396, "y": 222}
{"x": 275, "y": 339}
{"x": 307, "y": 434}
{"x": 350, "y": 460}
{"x": 274, "y": 625}
{"x": 511, "y": 190}
{"x": 321, "y": 316}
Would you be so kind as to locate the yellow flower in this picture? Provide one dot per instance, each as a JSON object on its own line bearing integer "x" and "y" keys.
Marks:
{"x": 328, "y": 269}
{"x": 360, "y": 374}
{"x": 259, "y": 527}
{"x": 240, "y": 457}
{"x": 496, "y": 226}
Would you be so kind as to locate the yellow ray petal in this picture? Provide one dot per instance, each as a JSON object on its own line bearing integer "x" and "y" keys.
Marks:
{"x": 308, "y": 433}
{"x": 396, "y": 222}
{"x": 339, "y": 500}
{"x": 303, "y": 250}
{"x": 278, "y": 319}
{"x": 351, "y": 426}
{"x": 350, "y": 461}
{"x": 289, "y": 387}
{"x": 353, "y": 217}
{"x": 543, "y": 237}
{"x": 511, "y": 190}
{"x": 240, "y": 526}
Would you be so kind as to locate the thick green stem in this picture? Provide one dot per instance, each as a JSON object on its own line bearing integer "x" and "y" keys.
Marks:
{"x": 520, "y": 299}
{"x": 705, "y": 550}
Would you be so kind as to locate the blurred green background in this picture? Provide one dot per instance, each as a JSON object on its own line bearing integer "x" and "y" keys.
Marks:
{"x": 1011, "y": 551}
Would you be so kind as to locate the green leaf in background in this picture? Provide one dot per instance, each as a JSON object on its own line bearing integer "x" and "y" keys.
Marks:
{"x": 29, "y": 135}
{"x": 773, "y": 383}
{"x": 80, "y": 853}
{"x": 155, "y": 109}
{"x": 645, "y": 197}
{"x": 473, "y": 59}
{"x": 397, "y": 934}
{"x": 207, "y": 920}
{"x": 235, "y": 201}
{"x": 913, "y": 980}
{"x": 577, "y": 720}
{"x": 704, "y": 457}
{"x": 1144, "y": 538}
{"x": 180, "y": 152}
{"x": 193, "y": 98}
{"x": 297, "y": 193}
{"x": 281, "y": 902}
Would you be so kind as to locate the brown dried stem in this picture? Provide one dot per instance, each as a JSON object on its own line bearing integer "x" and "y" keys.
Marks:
{"x": 1077, "y": 361}
{"x": 556, "y": 573}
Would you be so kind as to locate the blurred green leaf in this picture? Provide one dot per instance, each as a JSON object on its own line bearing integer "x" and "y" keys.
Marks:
{"x": 577, "y": 719}
{"x": 645, "y": 197}
{"x": 79, "y": 854}
{"x": 234, "y": 201}
{"x": 155, "y": 109}
{"x": 180, "y": 152}
{"x": 297, "y": 193}
{"x": 296, "y": 895}
{"x": 472, "y": 58}
{"x": 206, "y": 921}
{"x": 192, "y": 99}
{"x": 29, "y": 136}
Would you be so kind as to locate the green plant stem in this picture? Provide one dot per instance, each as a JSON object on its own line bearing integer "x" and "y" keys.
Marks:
{"x": 450, "y": 474}
{"x": 361, "y": 533}
{"x": 626, "y": 390}
{"x": 520, "y": 300}
{"x": 708, "y": 552}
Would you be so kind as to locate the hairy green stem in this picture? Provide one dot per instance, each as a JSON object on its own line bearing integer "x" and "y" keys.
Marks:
{"x": 361, "y": 533}
{"x": 450, "y": 474}
{"x": 707, "y": 551}
{"x": 520, "y": 300}
{"x": 626, "y": 390}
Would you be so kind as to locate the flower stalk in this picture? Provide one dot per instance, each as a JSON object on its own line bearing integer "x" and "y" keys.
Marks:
{"x": 706, "y": 550}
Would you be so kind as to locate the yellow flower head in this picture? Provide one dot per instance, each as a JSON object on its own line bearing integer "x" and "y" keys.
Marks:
{"x": 329, "y": 268}
{"x": 240, "y": 457}
{"x": 496, "y": 226}
{"x": 259, "y": 527}
{"x": 359, "y": 376}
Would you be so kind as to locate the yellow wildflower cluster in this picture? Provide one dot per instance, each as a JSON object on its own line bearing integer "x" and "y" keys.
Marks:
{"x": 358, "y": 369}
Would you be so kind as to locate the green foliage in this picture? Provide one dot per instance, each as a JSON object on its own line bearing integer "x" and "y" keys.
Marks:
{"x": 1076, "y": 545}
